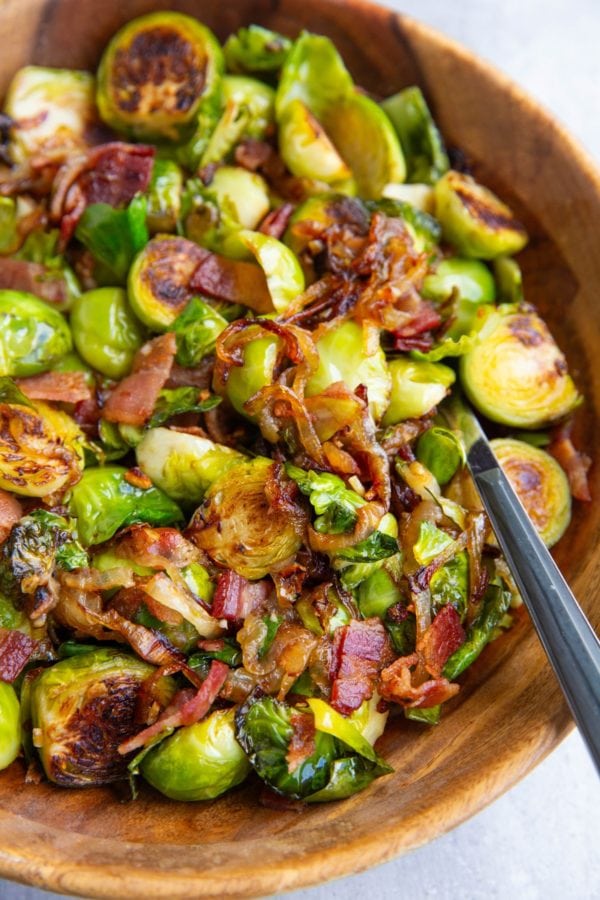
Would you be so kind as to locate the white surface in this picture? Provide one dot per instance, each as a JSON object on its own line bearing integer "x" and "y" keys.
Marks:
{"x": 541, "y": 839}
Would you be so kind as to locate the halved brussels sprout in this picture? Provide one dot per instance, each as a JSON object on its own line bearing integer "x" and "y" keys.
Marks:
{"x": 423, "y": 146}
{"x": 10, "y": 239}
{"x": 541, "y": 486}
{"x": 105, "y": 331}
{"x": 183, "y": 465}
{"x": 285, "y": 279}
{"x": 417, "y": 387}
{"x": 305, "y": 147}
{"x": 198, "y": 762}
{"x": 471, "y": 279}
{"x": 10, "y": 725}
{"x": 249, "y": 109}
{"x": 440, "y": 451}
{"x": 197, "y": 329}
{"x": 164, "y": 196}
{"x": 244, "y": 194}
{"x": 53, "y": 110}
{"x": 314, "y": 73}
{"x": 509, "y": 280}
{"x": 33, "y": 336}
{"x": 104, "y": 501}
{"x": 41, "y": 449}
{"x": 156, "y": 74}
{"x": 82, "y": 708}
{"x": 256, "y": 49}
{"x": 474, "y": 220}
{"x": 158, "y": 280}
{"x": 516, "y": 375}
{"x": 342, "y": 357}
{"x": 240, "y": 530}
{"x": 418, "y": 195}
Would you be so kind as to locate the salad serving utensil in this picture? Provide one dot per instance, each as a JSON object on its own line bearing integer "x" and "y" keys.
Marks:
{"x": 569, "y": 640}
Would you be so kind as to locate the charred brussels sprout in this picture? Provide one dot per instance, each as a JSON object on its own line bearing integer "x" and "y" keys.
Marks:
{"x": 256, "y": 50}
{"x": 10, "y": 725}
{"x": 183, "y": 465}
{"x": 82, "y": 708}
{"x": 516, "y": 375}
{"x": 342, "y": 357}
{"x": 158, "y": 280}
{"x": 417, "y": 387}
{"x": 474, "y": 220}
{"x": 540, "y": 483}
{"x": 426, "y": 157}
{"x": 164, "y": 196}
{"x": 53, "y": 110}
{"x": 104, "y": 501}
{"x": 156, "y": 74}
{"x": 198, "y": 762}
{"x": 40, "y": 448}
{"x": 105, "y": 332}
{"x": 33, "y": 336}
{"x": 239, "y": 529}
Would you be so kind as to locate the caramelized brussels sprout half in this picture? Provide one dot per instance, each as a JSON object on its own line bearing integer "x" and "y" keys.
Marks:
{"x": 183, "y": 465}
{"x": 41, "y": 449}
{"x": 283, "y": 273}
{"x": 252, "y": 102}
{"x": 105, "y": 331}
{"x": 239, "y": 529}
{"x": 33, "y": 335}
{"x": 509, "y": 280}
{"x": 158, "y": 280}
{"x": 516, "y": 375}
{"x": 164, "y": 196}
{"x": 243, "y": 194}
{"x": 426, "y": 157}
{"x": 342, "y": 357}
{"x": 417, "y": 387}
{"x": 305, "y": 147}
{"x": 474, "y": 220}
{"x": 540, "y": 483}
{"x": 314, "y": 73}
{"x": 256, "y": 49}
{"x": 82, "y": 708}
{"x": 53, "y": 110}
{"x": 198, "y": 762}
{"x": 156, "y": 74}
{"x": 104, "y": 501}
{"x": 10, "y": 725}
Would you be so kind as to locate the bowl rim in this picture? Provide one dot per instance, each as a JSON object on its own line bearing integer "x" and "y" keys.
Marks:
{"x": 38, "y": 865}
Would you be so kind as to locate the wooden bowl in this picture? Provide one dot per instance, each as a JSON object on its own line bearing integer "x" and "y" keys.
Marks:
{"x": 510, "y": 712}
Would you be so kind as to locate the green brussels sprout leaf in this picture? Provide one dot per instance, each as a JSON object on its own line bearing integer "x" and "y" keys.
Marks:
{"x": 495, "y": 604}
{"x": 334, "y": 503}
{"x": 426, "y": 157}
{"x": 196, "y": 330}
{"x": 175, "y": 401}
{"x": 114, "y": 236}
{"x": 256, "y": 50}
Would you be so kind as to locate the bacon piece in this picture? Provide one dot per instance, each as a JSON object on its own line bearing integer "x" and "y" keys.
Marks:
{"x": 190, "y": 712}
{"x": 233, "y": 281}
{"x": 20, "y": 275}
{"x": 441, "y": 639}
{"x": 360, "y": 649}
{"x": 15, "y": 652}
{"x": 10, "y": 513}
{"x": 302, "y": 744}
{"x": 575, "y": 463}
{"x": 275, "y": 222}
{"x": 235, "y": 596}
{"x": 110, "y": 173}
{"x": 57, "y": 387}
{"x": 415, "y": 334}
{"x": 395, "y": 684}
{"x": 133, "y": 400}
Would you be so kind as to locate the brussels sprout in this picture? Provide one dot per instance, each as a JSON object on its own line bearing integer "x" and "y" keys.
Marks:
{"x": 10, "y": 725}
{"x": 244, "y": 194}
{"x": 509, "y": 280}
{"x": 33, "y": 336}
{"x": 104, "y": 501}
{"x": 417, "y": 387}
{"x": 342, "y": 357}
{"x": 82, "y": 709}
{"x": 423, "y": 483}
{"x": 305, "y": 147}
{"x": 419, "y": 196}
{"x": 369, "y": 720}
{"x": 440, "y": 451}
{"x": 474, "y": 220}
{"x": 105, "y": 331}
{"x": 239, "y": 529}
{"x": 197, "y": 329}
{"x": 158, "y": 280}
{"x": 334, "y": 503}
{"x": 256, "y": 49}
{"x": 183, "y": 465}
{"x": 472, "y": 284}
{"x": 314, "y": 73}
{"x": 53, "y": 110}
{"x": 114, "y": 236}
{"x": 255, "y": 99}
{"x": 494, "y": 607}
{"x": 41, "y": 247}
{"x": 426, "y": 157}
{"x": 377, "y": 593}
{"x": 9, "y": 235}
{"x": 423, "y": 228}
{"x": 164, "y": 196}
{"x": 541, "y": 486}
{"x": 260, "y": 357}
{"x": 176, "y": 401}
{"x": 516, "y": 375}
{"x": 198, "y": 762}
{"x": 157, "y": 74}
{"x": 450, "y": 584}
{"x": 285, "y": 279}
{"x": 40, "y": 447}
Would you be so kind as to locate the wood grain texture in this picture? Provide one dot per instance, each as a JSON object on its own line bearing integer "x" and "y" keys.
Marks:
{"x": 510, "y": 712}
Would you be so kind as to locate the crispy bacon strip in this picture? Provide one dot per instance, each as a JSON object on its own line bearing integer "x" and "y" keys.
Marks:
{"x": 360, "y": 649}
{"x": 57, "y": 387}
{"x": 395, "y": 684}
{"x": 10, "y": 513}
{"x": 134, "y": 398}
{"x": 275, "y": 222}
{"x": 15, "y": 652}
{"x": 442, "y": 638}
{"x": 20, "y": 275}
{"x": 192, "y": 710}
{"x": 234, "y": 281}
{"x": 235, "y": 597}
